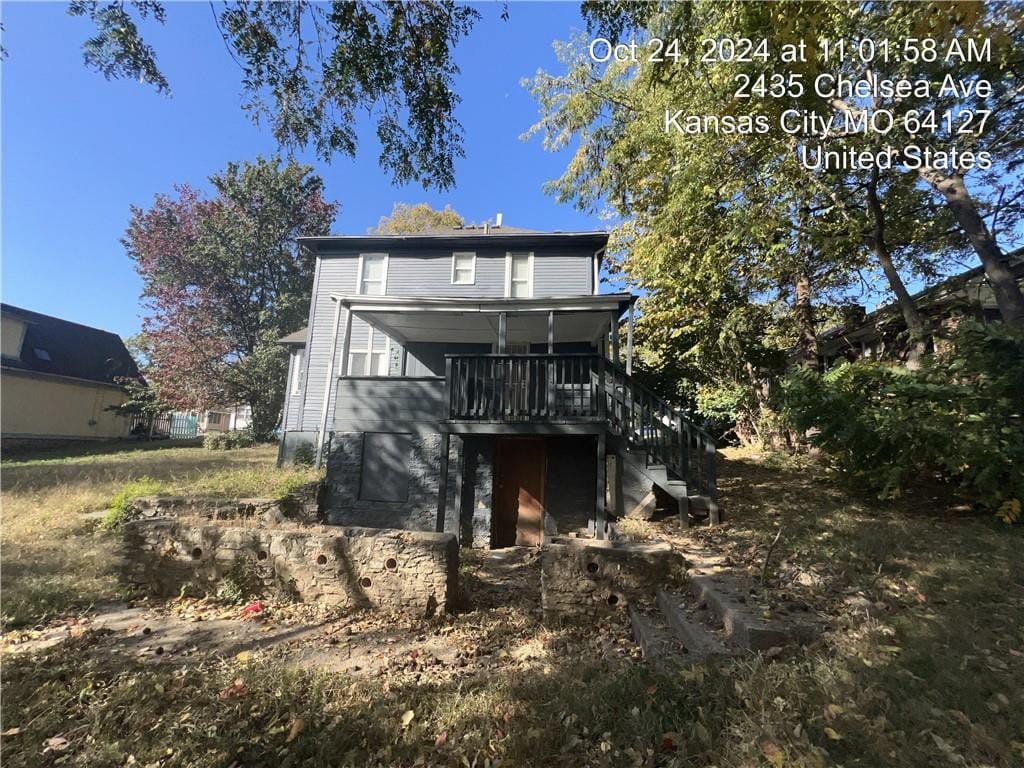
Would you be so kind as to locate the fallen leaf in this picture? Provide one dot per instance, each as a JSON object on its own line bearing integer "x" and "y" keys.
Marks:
{"x": 56, "y": 744}
{"x": 651, "y": 690}
{"x": 253, "y": 608}
{"x": 771, "y": 751}
{"x": 441, "y": 740}
{"x": 243, "y": 656}
{"x": 833, "y": 734}
{"x": 668, "y": 743}
{"x": 293, "y": 733}
{"x": 832, "y": 711}
{"x": 407, "y": 717}
{"x": 237, "y": 689}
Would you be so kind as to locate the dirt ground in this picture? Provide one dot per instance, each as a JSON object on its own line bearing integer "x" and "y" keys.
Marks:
{"x": 497, "y": 623}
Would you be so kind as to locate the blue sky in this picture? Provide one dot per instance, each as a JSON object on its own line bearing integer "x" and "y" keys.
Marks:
{"x": 78, "y": 150}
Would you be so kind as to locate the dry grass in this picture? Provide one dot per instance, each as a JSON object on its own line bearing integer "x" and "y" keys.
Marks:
{"x": 922, "y": 665}
{"x": 56, "y": 558}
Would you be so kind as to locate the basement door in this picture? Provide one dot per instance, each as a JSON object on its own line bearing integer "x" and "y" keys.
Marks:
{"x": 519, "y": 474}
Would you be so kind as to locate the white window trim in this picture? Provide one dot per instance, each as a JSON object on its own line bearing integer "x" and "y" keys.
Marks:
{"x": 297, "y": 360}
{"x": 508, "y": 273}
{"x": 383, "y": 277}
{"x": 368, "y": 350}
{"x": 472, "y": 279}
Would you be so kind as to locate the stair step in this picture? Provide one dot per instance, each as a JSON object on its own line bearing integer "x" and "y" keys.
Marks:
{"x": 652, "y": 635}
{"x": 698, "y": 641}
{"x": 744, "y": 622}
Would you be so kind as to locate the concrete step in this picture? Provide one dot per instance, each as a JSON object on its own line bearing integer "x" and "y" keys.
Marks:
{"x": 697, "y": 641}
{"x": 749, "y": 624}
{"x": 652, "y": 635}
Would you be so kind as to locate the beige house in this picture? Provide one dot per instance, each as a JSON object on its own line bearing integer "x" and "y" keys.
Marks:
{"x": 58, "y": 380}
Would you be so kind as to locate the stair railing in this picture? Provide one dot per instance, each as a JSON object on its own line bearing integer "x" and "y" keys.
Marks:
{"x": 664, "y": 433}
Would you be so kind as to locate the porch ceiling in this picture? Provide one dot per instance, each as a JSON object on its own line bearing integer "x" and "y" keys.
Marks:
{"x": 476, "y": 320}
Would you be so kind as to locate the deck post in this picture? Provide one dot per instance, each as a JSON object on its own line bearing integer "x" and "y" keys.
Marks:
{"x": 629, "y": 341}
{"x": 442, "y": 484}
{"x": 551, "y": 333}
{"x": 614, "y": 326}
{"x": 616, "y": 499}
{"x": 329, "y": 384}
{"x": 600, "y": 516}
{"x": 502, "y": 333}
{"x": 714, "y": 512}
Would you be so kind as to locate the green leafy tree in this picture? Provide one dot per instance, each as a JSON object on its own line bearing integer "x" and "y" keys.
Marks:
{"x": 223, "y": 279}
{"x": 409, "y": 219}
{"x": 309, "y": 68}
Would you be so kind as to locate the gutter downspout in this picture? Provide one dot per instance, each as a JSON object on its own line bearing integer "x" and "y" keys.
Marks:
{"x": 324, "y": 412}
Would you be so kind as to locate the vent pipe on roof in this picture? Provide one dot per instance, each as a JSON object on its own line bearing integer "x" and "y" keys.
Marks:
{"x": 487, "y": 227}
{"x": 497, "y": 220}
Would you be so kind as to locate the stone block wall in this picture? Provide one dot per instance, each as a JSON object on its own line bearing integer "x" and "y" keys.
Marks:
{"x": 418, "y": 512}
{"x": 586, "y": 578}
{"x": 394, "y": 570}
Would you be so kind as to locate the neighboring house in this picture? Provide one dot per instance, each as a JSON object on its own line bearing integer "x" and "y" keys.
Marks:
{"x": 882, "y": 334}
{"x": 470, "y": 380}
{"x": 59, "y": 380}
{"x": 229, "y": 418}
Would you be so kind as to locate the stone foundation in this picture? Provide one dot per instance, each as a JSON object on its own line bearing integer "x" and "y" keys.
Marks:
{"x": 393, "y": 570}
{"x": 585, "y": 578}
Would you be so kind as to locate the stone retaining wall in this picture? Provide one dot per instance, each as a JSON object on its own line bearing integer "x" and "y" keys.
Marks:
{"x": 405, "y": 571}
{"x": 585, "y": 578}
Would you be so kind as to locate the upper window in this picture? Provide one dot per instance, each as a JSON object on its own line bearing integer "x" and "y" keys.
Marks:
{"x": 519, "y": 275}
{"x": 374, "y": 274}
{"x": 463, "y": 268}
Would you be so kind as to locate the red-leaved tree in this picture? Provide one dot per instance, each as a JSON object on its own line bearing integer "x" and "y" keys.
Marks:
{"x": 223, "y": 279}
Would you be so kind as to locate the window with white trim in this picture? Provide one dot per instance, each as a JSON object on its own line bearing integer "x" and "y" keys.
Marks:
{"x": 520, "y": 275}
{"x": 463, "y": 268}
{"x": 297, "y": 371}
{"x": 371, "y": 361}
{"x": 373, "y": 273}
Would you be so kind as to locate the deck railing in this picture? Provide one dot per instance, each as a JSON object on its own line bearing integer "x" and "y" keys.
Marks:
{"x": 524, "y": 388}
{"x": 571, "y": 388}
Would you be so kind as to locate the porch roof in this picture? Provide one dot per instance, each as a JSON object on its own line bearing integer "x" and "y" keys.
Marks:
{"x": 475, "y": 320}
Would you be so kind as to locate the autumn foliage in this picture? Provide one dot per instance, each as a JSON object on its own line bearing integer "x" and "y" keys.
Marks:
{"x": 223, "y": 279}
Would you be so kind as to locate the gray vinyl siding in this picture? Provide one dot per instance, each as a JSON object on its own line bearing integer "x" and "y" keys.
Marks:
{"x": 333, "y": 276}
{"x": 556, "y": 272}
{"x": 424, "y": 274}
{"x": 397, "y": 405}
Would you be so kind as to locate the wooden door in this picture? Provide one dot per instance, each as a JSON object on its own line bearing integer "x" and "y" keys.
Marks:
{"x": 519, "y": 474}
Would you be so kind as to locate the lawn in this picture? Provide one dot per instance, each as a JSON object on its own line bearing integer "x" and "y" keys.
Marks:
{"x": 55, "y": 556}
{"x": 922, "y": 663}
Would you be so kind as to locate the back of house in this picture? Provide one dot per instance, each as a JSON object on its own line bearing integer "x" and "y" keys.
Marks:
{"x": 471, "y": 380}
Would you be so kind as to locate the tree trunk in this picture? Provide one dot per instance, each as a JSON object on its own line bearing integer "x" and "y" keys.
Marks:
{"x": 915, "y": 322}
{"x": 807, "y": 338}
{"x": 1007, "y": 292}
{"x": 803, "y": 308}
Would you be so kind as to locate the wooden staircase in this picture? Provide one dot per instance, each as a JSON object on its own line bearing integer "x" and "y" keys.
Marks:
{"x": 663, "y": 444}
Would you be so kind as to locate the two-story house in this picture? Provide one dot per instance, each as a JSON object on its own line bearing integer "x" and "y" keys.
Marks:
{"x": 474, "y": 380}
